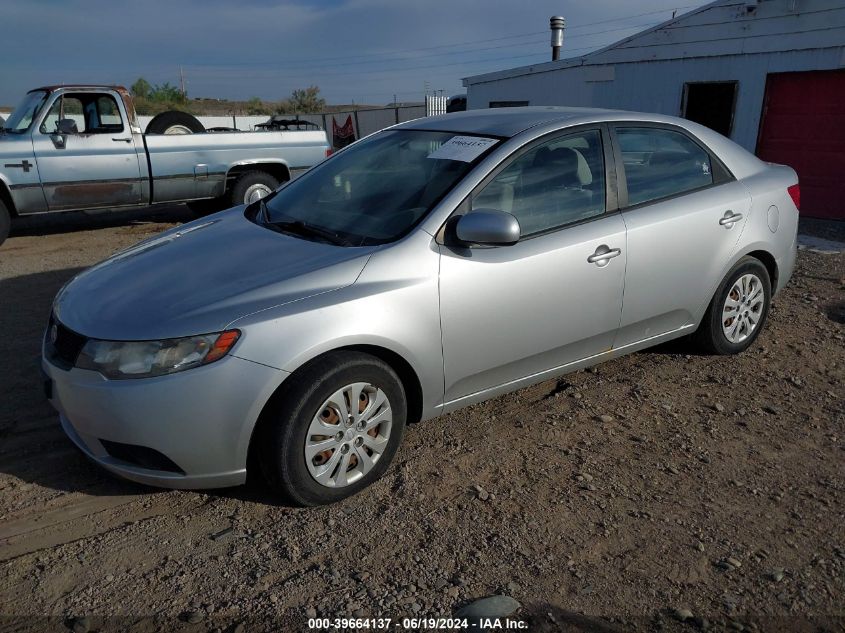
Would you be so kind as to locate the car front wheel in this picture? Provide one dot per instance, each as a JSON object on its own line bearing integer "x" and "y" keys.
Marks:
{"x": 738, "y": 310}
{"x": 333, "y": 429}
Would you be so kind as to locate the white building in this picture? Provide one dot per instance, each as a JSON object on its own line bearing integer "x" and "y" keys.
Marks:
{"x": 770, "y": 74}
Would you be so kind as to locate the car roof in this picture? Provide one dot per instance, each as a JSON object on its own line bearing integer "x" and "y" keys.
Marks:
{"x": 511, "y": 121}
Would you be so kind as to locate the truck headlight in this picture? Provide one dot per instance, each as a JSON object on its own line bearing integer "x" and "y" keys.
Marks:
{"x": 121, "y": 360}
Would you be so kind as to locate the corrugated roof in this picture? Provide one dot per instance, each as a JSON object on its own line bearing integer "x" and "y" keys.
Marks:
{"x": 723, "y": 27}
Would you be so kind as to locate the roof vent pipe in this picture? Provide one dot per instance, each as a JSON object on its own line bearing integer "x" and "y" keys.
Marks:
{"x": 557, "y": 24}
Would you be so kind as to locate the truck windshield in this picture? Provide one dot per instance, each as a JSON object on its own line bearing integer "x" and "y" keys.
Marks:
{"x": 376, "y": 190}
{"x": 27, "y": 110}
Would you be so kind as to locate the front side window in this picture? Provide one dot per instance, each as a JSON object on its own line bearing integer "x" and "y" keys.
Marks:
{"x": 556, "y": 183}
{"x": 92, "y": 114}
{"x": 20, "y": 120}
{"x": 662, "y": 163}
{"x": 376, "y": 190}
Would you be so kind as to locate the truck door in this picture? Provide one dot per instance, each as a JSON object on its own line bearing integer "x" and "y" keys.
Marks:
{"x": 86, "y": 154}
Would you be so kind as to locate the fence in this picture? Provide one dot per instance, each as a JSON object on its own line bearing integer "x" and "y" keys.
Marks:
{"x": 364, "y": 122}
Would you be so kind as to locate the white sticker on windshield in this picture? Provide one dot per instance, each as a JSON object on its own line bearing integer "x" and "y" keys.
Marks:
{"x": 463, "y": 148}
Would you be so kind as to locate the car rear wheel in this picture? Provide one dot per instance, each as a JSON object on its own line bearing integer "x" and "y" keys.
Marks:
{"x": 252, "y": 186}
{"x": 5, "y": 222}
{"x": 333, "y": 429}
{"x": 738, "y": 310}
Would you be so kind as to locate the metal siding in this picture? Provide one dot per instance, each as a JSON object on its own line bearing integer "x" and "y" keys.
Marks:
{"x": 657, "y": 86}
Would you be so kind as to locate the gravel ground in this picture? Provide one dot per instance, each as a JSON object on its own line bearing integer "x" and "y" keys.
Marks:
{"x": 661, "y": 491}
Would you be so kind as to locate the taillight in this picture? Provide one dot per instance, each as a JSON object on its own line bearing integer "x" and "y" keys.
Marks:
{"x": 329, "y": 151}
{"x": 795, "y": 193}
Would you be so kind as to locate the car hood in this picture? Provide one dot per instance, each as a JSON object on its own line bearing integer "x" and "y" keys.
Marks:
{"x": 199, "y": 277}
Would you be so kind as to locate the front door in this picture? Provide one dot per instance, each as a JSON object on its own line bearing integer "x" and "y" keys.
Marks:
{"x": 553, "y": 298}
{"x": 91, "y": 161}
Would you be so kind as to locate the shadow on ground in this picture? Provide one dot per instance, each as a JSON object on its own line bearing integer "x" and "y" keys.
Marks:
{"x": 33, "y": 447}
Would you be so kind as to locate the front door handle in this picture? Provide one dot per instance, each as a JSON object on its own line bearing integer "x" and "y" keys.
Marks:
{"x": 603, "y": 255}
{"x": 122, "y": 140}
{"x": 730, "y": 218}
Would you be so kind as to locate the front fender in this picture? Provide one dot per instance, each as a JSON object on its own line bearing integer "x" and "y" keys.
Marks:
{"x": 393, "y": 305}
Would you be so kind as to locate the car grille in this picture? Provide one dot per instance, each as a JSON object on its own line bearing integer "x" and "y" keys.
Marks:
{"x": 64, "y": 350}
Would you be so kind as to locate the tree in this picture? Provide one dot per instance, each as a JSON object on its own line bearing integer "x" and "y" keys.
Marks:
{"x": 303, "y": 101}
{"x": 255, "y": 106}
{"x": 166, "y": 93}
{"x": 141, "y": 88}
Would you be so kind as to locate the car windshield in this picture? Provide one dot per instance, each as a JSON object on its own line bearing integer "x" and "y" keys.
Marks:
{"x": 376, "y": 190}
{"x": 27, "y": 110}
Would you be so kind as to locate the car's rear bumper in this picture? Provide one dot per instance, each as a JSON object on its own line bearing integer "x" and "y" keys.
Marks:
{"x": 187, "y": 430}
{"x": 786, "y": 264}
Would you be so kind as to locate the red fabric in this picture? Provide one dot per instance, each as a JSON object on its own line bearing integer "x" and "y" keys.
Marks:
{"x": 343, "y": 135}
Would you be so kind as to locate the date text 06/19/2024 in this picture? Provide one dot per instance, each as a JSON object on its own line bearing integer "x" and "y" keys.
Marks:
{"x": 416, "y": 624}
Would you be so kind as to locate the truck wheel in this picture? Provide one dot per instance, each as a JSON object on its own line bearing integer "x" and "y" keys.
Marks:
{"x": 252, "y": 186}
{"x": 5, "y": 222}
{"x": 175, "y": 122}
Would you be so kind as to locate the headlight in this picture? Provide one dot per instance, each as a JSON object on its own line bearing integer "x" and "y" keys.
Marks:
{"x": 121, "y": 360}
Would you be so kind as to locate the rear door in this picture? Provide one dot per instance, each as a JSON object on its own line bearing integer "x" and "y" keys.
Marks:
{"x": 94, "y": 166}
{"x": 684, "y": 214}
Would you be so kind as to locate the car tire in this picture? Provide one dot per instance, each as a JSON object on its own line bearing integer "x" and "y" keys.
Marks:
{"x": 5, "y": 222}
{"x": 746, "y": 291}
{"x": 251, "y": 186}
{"x": 175, "y": 122}
{"x": 286, "y": 433}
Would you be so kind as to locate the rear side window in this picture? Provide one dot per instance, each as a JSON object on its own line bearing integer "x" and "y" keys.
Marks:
{"x": 661, "y": 163}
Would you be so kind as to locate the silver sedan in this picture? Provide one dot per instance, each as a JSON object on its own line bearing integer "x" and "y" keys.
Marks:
{"x": 433, "y": 265}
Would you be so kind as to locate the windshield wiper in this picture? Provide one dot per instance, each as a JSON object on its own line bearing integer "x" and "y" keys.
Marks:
{"x": 298, "y": 227}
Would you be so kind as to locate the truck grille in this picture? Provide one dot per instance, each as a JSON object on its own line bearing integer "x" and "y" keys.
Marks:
{"x": 64, "y": 350}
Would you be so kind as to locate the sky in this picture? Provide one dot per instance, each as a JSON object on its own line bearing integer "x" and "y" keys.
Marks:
{"x": 356, "y": 51}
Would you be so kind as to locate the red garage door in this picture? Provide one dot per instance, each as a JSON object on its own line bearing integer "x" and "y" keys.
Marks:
{"x": 803, "y": 126}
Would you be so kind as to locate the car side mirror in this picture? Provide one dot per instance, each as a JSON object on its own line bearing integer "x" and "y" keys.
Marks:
{"x": 488, "y": 227}
{"x": 66, "y": 126}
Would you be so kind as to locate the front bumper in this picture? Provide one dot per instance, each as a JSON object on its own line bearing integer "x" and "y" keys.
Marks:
{"x": 201, "y": 419}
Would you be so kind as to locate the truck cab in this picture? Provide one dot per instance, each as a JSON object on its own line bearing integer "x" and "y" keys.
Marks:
{"x": 74, "y": 147}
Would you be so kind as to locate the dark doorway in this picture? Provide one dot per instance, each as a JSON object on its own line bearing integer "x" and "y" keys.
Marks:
{"x": 711, "y": 104}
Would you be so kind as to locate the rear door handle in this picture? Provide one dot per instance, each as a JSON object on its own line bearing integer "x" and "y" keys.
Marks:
{"x": 730, "y": 218}
{"x": 603, "y": 255}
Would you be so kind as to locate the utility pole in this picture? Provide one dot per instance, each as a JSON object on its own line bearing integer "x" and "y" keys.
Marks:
{"x": 182, "y": 82}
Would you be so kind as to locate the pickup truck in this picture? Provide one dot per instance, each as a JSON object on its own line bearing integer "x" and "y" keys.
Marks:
{"x": 81, "y": 147}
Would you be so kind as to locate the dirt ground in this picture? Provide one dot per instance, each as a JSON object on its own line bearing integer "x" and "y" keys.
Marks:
{"x": 661, "y": 491}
